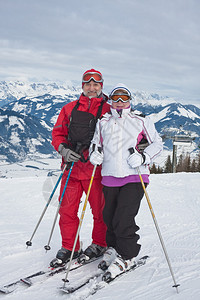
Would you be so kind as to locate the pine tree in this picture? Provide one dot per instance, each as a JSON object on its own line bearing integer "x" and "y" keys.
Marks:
{"x": 153, "y": 169}
{"x": 193, "y": 166}
{"x": 159, "y": 170}
{"x": 187, "y": 163}
{"x": 168, "y": 165}
{"x": 179, "y": 167}
{"x": 198, "y": 163}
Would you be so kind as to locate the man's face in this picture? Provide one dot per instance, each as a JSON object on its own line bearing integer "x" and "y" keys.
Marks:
{"x": 92, "y": 89}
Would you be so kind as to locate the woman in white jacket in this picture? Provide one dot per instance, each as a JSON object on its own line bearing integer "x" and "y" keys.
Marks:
{"x": 117, "y": 145}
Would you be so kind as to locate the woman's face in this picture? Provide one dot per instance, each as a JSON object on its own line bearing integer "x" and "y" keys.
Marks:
{"x": 120, "y": 104}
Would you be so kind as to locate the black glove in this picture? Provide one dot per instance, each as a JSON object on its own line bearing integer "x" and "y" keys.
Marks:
{"x": 67, "y": 154}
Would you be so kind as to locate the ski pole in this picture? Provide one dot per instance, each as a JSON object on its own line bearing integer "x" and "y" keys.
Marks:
{"x": 47, "y": 247}
{"x": 158, "y": 230}
{"x": 79, "y": 226}
{"x": 29, "y": 243}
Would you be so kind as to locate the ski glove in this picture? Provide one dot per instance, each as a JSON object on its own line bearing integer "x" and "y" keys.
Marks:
{"x": 136, "y": 159}
{"x": 96, "y": 156}
{"x": 67, "y": 154}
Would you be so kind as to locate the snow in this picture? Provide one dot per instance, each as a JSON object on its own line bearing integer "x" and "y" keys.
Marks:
{"x": 2, "y": 118}
{"x": 14, "y": 138}
{"x": 13, "y": 121}
{"x": 19, "y": 107}
{"x": 189, "y": 113}
{"x": 159, "y": 116}
{"x": 175, "y": 199}
{"x": 37, "y": 141}
{"x": 19, "y": 89}
{"x": 152, "y": 99}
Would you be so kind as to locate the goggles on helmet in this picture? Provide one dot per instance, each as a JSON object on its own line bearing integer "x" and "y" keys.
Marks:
{"x": 120, "y": 97}
{"x": 92, "y": 76}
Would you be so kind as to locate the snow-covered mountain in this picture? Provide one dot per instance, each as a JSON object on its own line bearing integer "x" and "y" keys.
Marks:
{"x": 174, "y": 118}
{"x": 14, "y": 90}
{"x": 45, "y": 101}
{"x": 23, "y": 136}
{"x": 26, "y": 121}
{"x": 45, "y": 107}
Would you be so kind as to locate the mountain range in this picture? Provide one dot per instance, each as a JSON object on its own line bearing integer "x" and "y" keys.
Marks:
{"x": 28, "y": 112}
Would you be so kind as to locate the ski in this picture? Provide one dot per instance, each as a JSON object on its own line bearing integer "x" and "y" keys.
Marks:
{"x": 26, "y": 281}
{"x": 68, "y": 289}
{"x": 96, "y": 281}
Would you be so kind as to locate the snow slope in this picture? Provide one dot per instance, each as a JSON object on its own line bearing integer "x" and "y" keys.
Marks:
{"x": 175, "y": 199}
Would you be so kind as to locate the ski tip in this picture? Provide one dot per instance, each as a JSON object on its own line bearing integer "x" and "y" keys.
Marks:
{"x": 5, "y": 290}
{"x": 141, "y": 259}
{"x": 145, "y": 257}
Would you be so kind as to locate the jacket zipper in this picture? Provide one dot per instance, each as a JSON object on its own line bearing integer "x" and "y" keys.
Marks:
{"x": 89, "y": 104}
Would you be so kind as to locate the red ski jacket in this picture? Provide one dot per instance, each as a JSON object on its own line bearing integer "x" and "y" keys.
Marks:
{"x": 80, "y": 170}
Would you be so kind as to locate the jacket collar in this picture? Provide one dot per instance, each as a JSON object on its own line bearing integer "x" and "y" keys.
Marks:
{"x": 84, "y": 99}
{"x": 120, "y": 114}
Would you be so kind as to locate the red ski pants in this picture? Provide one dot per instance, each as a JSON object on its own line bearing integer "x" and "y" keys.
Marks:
{"x": 69, "y": 220}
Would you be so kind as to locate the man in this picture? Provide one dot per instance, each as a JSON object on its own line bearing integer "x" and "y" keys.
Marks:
{"x": 71, "y": 137}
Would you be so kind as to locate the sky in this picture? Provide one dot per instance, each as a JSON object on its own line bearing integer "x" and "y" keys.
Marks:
{"x": 149, "y": 45}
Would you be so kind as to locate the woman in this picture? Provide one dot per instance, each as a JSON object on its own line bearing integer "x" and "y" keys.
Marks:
{"x": 117, "y": 145}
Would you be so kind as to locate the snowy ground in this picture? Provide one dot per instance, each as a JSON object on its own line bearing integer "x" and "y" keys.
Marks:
{"x": 175, "y": 199}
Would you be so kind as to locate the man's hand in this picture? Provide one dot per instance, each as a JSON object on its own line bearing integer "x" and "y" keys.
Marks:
{"x": 67, "y": 154}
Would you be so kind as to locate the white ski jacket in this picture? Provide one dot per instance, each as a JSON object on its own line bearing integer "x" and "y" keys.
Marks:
{"x": 116, "y": 134}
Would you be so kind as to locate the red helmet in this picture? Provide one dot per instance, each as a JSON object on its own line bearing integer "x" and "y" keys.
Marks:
{"x": 92, "y": 75}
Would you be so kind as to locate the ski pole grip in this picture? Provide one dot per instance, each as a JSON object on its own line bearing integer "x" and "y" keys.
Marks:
{"x": 131, "y": 150}
{"x": 100, "y": 149}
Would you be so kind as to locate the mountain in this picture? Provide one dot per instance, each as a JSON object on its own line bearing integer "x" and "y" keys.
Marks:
{"x": 174, "y": 118}
{"x": 14, "y": 90}
{"x": 45, "y": 107}
{"x": 27, "y": 114}
{"x": 23, "y": 136}
{"x": 41, "y": 108}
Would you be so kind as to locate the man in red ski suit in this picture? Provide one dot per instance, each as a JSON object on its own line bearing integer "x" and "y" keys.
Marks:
{"x": 92, "y": 101}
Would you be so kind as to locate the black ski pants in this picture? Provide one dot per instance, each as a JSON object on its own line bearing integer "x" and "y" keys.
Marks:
{"x": 121, "y": 207}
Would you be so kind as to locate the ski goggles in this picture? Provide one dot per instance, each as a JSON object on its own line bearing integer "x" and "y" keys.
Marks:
{"x": 92, "y": 76}
{"x": 120, "y": 97}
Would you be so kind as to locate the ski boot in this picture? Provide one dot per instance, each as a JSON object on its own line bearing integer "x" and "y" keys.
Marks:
{"x": 92, "y": 251}
{"x": 108, "y": 257}
{"x": 118, "y": 266}
{"x": 62, "y": 257}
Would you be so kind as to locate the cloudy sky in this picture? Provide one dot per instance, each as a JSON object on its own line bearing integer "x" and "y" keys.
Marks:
{"x": 149, "y": 45}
